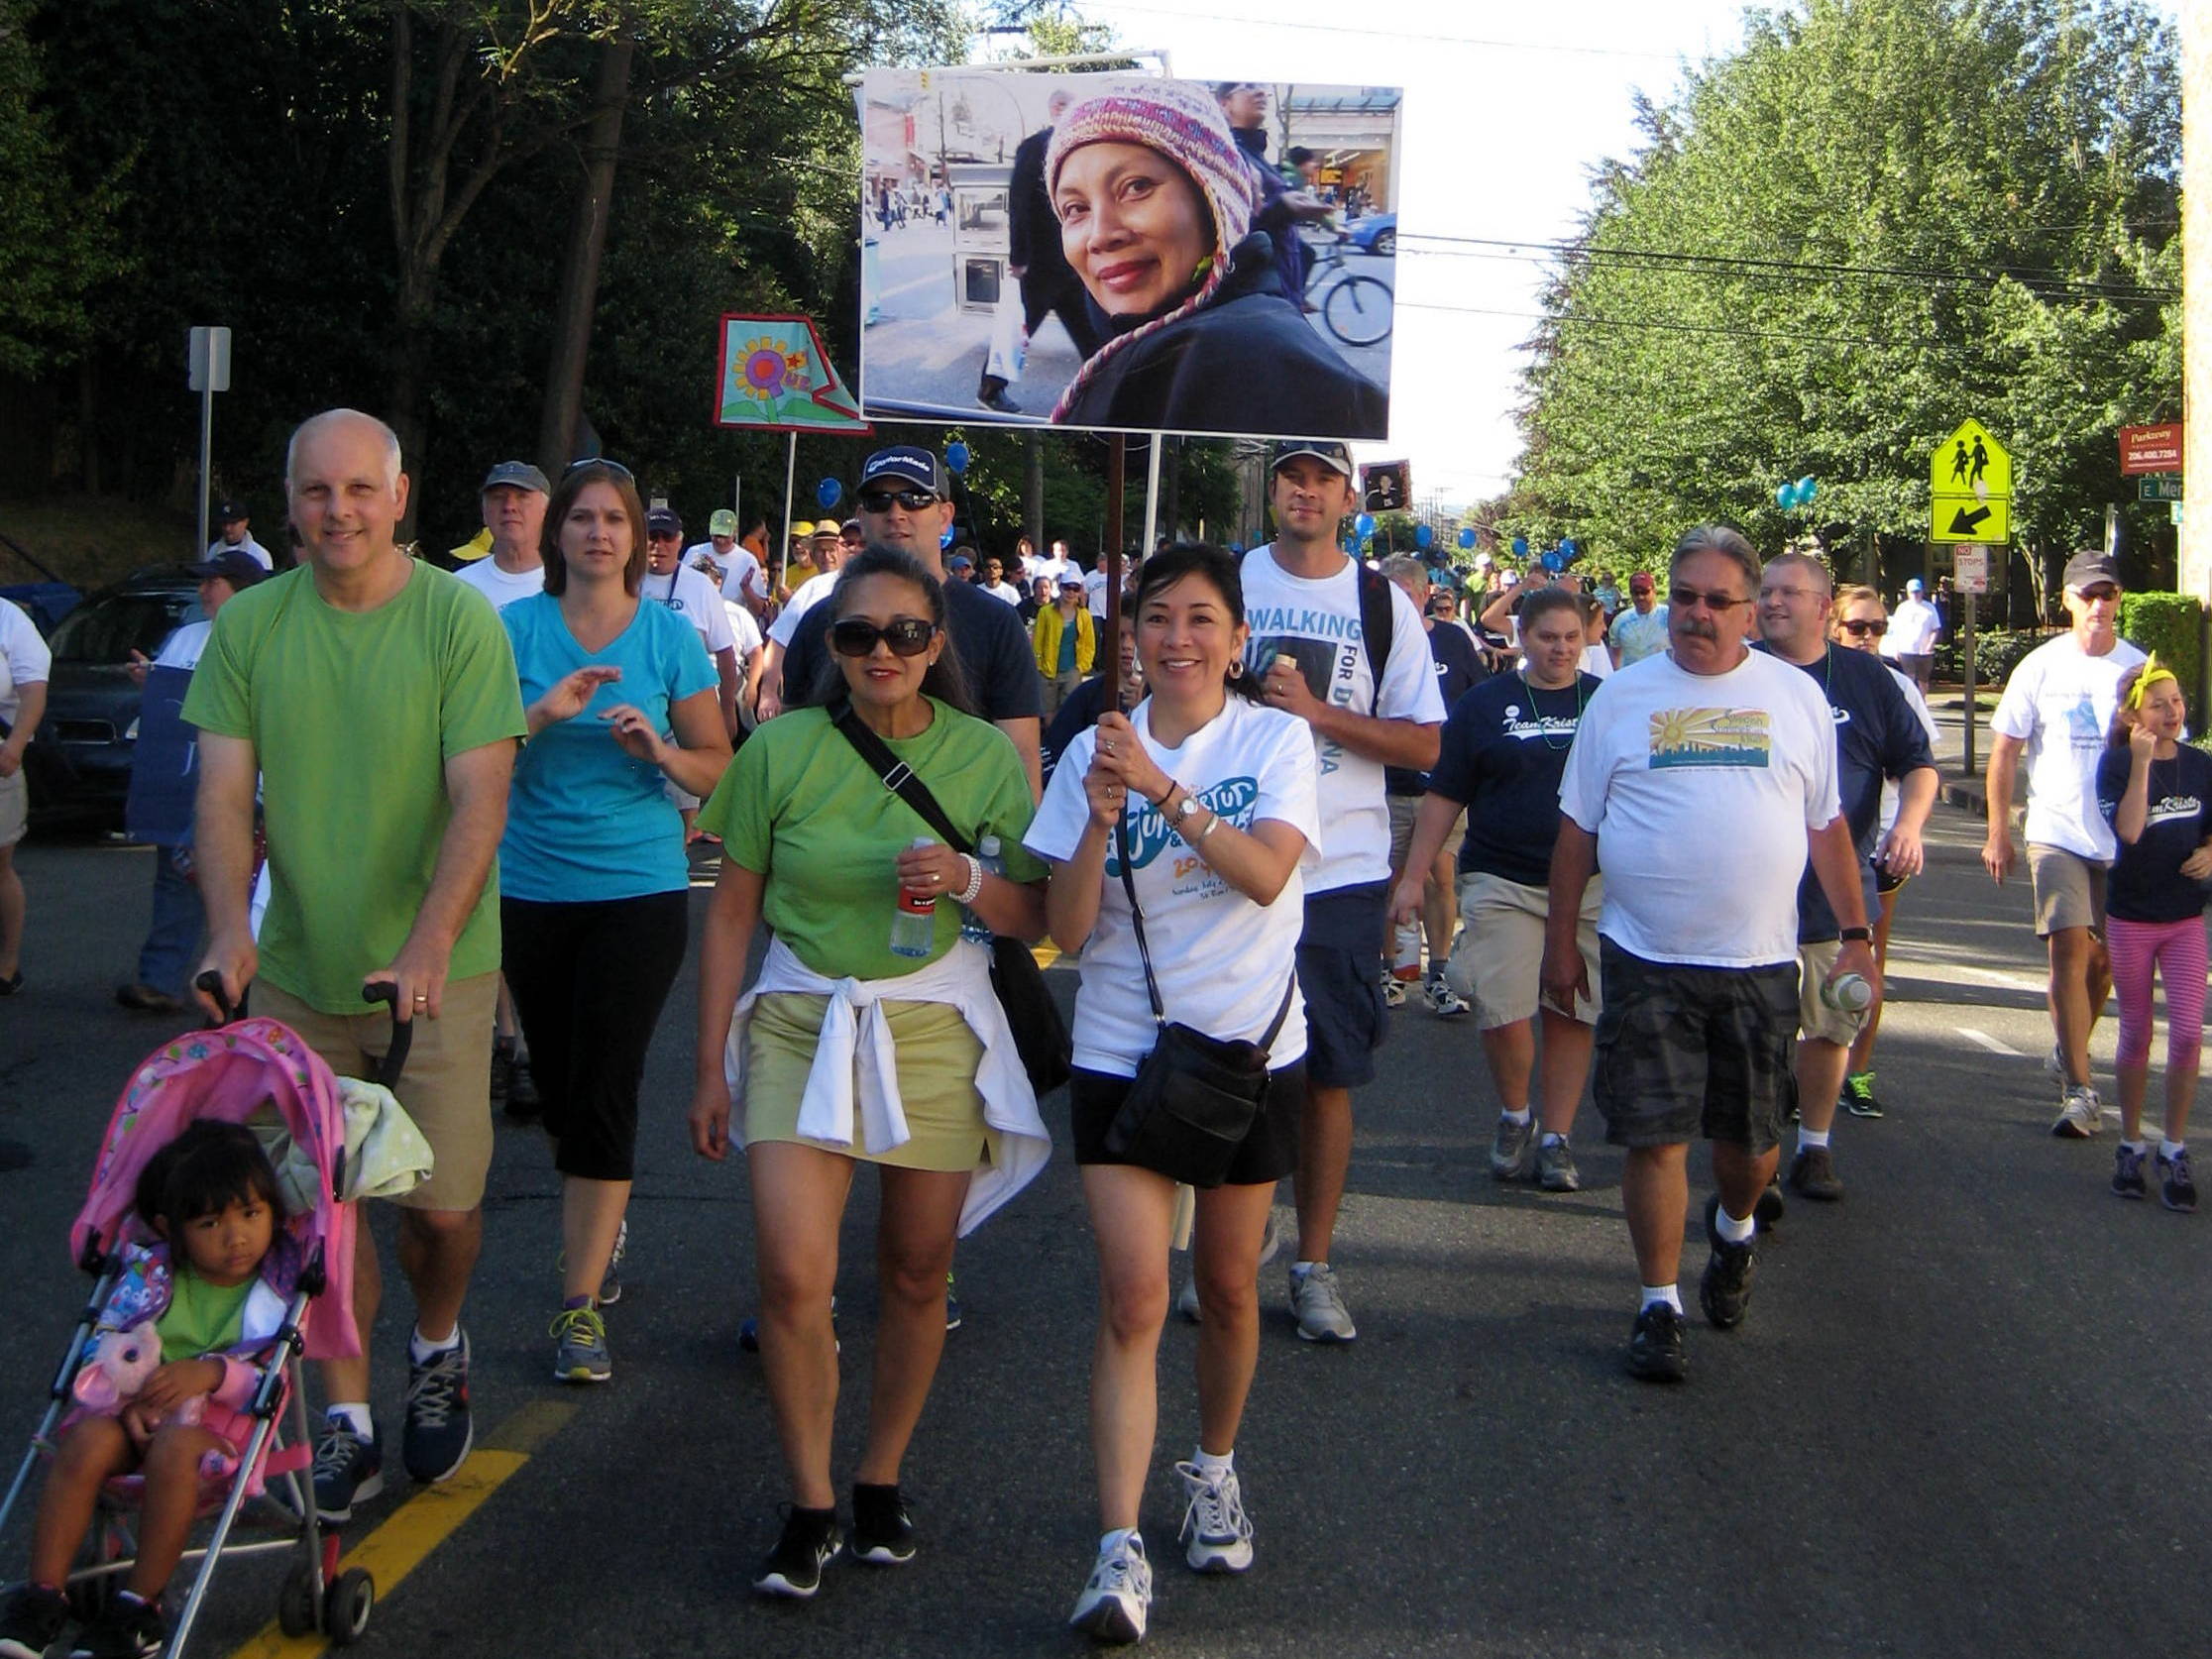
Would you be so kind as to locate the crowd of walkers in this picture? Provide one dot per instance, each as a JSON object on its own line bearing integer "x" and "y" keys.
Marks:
{"x": 1283, "y": 765}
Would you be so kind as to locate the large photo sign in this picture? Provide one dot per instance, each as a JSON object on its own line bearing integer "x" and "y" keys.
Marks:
{"x": 1127, "y": 253}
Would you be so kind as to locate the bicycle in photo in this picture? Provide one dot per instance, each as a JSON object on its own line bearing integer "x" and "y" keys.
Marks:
{"x": 1358, "y": 309}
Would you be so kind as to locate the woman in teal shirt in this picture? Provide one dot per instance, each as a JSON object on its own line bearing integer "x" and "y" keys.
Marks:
{"x": 592, "y": 879}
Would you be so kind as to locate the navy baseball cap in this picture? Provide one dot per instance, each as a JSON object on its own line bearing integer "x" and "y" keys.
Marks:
{"x": 909, "y": 464}
{"x": 520, "y": 473}
{"x": 1328, "y": 454}
{"x": 663, "y": 522}
{"x": 230, "y": 512}
{"x": 235, "y": 566}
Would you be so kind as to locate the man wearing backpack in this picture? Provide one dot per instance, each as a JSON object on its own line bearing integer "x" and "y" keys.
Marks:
{"x": 1344, "y": 650}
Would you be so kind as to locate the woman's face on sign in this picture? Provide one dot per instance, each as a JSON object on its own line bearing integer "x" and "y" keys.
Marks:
{"x": 1132, "y": 225}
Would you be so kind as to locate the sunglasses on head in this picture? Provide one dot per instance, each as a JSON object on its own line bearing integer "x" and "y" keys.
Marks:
{"x": 601, "y": 461}
{"x": 882, "y": 501}
{"x": 1861, "y": 629}
{"x": 909, "y": 636}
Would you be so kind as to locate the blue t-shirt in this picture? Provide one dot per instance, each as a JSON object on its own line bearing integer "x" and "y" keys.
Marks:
{"x": 1503, "y": 754}
{"x": 585, "y": 820}
{"x": 2147, "y": 883}
{"x": 1459, "y": 670}
{"x": 1877, "y": 736}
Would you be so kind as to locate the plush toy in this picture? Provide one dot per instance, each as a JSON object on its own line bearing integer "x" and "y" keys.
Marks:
{"x": 118, "y": 1367}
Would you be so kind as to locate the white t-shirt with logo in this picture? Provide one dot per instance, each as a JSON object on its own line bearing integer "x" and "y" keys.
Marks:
{"x": 808, "y": 594}
{"x": 24, "y": 658}
{"x": 1702, "y": 789}
{"x": 1221, "y": 961}
{"x": 1318, "y": 622}
{"x": 741, "y": 572}
{"x": 2059, "y": 702}
{"x": 1913, "y": 629}
{"x": 495, "y": 584}
{"x": 692, "y": 596}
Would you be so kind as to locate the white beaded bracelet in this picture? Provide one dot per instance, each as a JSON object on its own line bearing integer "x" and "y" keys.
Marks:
{"x": 968, "y": 894}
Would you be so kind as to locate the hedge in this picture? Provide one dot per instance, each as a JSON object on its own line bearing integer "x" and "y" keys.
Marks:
{"x": 2169, "y": 625}
{"x": 1997, "y": 652}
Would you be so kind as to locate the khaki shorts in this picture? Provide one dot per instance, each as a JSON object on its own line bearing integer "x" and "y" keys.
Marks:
{"x": 446, "y": 1086}
{"x": 1816, "y": 1018}
{"x": 1499, "y": 956}
{"x": 1403, "y": 811}
{"x": 2069, "y": 890}
{"x": 15, "y": 807}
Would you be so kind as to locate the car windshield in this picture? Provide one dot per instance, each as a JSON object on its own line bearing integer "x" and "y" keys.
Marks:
{"x": 103, "y": 632}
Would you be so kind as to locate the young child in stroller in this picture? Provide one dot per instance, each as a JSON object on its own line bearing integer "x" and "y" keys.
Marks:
{"x": 211, "y": 1196}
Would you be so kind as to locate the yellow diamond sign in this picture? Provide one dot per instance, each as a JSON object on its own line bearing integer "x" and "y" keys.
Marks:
{"x": 1970, "y": 463}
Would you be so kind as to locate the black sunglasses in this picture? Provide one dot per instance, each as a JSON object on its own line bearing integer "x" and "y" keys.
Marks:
{"x": 909, "y": 636}
{"x": 1682, "y": 599}
{"x": 599, "y": 460}
{"x": 882, "y": 501}
{"x": 1858, "y": 629}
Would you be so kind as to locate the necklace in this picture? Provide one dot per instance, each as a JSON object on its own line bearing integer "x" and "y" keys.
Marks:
{"x": 1541, "y": 731}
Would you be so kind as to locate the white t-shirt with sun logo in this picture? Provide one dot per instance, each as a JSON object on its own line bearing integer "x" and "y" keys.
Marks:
{"x": 1221, "y": 961}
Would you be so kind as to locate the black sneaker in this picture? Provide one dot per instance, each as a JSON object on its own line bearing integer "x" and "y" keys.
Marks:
{"x": 439, "y": 1428}
{"x": 1726, "y": 1289}
{"x": 32, "y": 1620}
{"x": 348, "y": 1470}
{"x": 794, "y": 1567}
{"x": 522, "y": 1102}
{"x": 2177, "y": 1191}
{"x": 129, "y": 1630}
{"x": 1770, "y": 1207}
{"x": 503, "y": 1060}
{"x": 2126, "y": 1172}
{"x": 882, "y": 1530}
{"x": 1813, "y": 1175}
{"x": 1655, "y": 1350}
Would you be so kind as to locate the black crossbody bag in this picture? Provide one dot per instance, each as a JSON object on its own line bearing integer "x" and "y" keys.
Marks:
{"x": 1194, "y": 1098}
{"x": 1040, "y": 1033}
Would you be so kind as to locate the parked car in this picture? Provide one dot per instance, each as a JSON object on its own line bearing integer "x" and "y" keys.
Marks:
{"x": 1376, "y": 234}
{"x": 79, "y": 762}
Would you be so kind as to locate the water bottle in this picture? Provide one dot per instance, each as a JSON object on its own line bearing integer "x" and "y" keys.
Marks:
{"x": 988, "y": 854}
{"x": 1847, "y": 992}
{"x": 913, "y": 920}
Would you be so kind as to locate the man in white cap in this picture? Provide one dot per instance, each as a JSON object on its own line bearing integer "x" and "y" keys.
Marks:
{"x": 1913, "y": 629}
{"x": 2057, "y": 707}
{"x": 513, "y": 504}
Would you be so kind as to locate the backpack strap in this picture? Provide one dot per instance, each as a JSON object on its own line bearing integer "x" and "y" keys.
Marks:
{"x": 1377, "y": 622}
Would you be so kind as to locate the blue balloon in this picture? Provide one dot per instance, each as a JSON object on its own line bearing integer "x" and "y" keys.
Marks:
{"x": 1807, "y": 487}
{"x": 1521, "y": 548}
{"x": 1467, "y": 538}
{"x": 1364, "y": 524}
{"x": 1568, "y": 552}
{"x": 945, "y": 540}
{"x": 829, "y": 492}
{"x": 1786, "y": 496}
{"x": 1422, "y": 535}
{"x": 1554, "y": 563}
{"x": 957, "y": 457}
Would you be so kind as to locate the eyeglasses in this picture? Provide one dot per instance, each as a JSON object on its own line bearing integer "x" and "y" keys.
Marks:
{"x": 599, "y": 460}
{"x": 2097, "y": 590}
{"x": 882, "y": 501}
{"x": 1683, "y": 599}
{"x": 908, "y": 636}
{"x": 1859, "y": 631}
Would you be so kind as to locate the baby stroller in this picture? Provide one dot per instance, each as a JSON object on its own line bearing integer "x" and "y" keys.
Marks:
{"x": 257, "y": 1073}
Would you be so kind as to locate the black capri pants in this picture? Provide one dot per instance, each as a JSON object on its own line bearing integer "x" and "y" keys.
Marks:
{"x": 588, "y": 981}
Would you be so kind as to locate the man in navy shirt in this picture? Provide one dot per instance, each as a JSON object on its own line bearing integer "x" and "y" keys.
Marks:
{"x": 1504, "y": 752}
{"x": 1877, "y": 736}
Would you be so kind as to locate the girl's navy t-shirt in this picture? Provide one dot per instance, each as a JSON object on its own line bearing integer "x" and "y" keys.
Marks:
{"x": 2147, "y": 883}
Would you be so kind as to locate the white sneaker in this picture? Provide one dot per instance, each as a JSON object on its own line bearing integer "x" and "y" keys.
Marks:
{"x": 1319, "y": 1305}
{"x": 1444, "y": 1002}
{"x": 1216, "y": 1532}
{"x": 1393, "y": 991}
{"x": 1116, "y": 1601}
{"x": 1270, "y": 1246}
{"x": 2080, "y": 1115}
{"x": 2054, "y": 1064}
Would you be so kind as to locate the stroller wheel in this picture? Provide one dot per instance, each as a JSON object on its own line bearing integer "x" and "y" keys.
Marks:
{"x": 296, "y": 1603}
{"x": 347, "y": 1604}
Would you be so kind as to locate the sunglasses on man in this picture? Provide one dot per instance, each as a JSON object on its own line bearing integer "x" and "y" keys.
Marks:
{"x": 883, "y": 500}
{"x": 908, "y": 636}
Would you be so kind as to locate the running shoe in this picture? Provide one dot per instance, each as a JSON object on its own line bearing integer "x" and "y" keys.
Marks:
{"x": 610, "y": 1281}
{"x": 1770, "y": 1208}
{"x": 1393, "y": 991}
{"x": 1655, "y": 1347}
{"x": 129, "y": 1630}
{"x": 2126, "y": 1172}
{"x": 794, "y": 1567}
{"x": 882, "y": 1530}
{"x": 1726, "y": 1289}
{"x": 522, "y": 1102}
{"x": 2176, "y": 1190}
{"x": 32, "y": 1620}
{"x": 348, "y": 1470}
{"x": 2055, "y": 1065}
{"x": 1118, "y": 1596}
{"x": 440, "y": 1429}
{"x": 580, "y": 1346}
{"x": 1511, "y": 1147}
{"x": 2080, "y": 1114}
{"x": 1555, "y": 1167}
{"x": 1319, "y": 1305}
{"x": 1859, "y": 1096}
{"x": 1216, "y": 1532}
{"x": 1444, "y": 1002}
{"x": 1813, "y": 1175}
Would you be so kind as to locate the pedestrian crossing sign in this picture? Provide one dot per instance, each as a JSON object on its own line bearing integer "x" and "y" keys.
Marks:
{"x": 1971, "y": 463}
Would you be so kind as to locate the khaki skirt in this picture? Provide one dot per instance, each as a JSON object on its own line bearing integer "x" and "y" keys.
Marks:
{"x": 938, "y": 1057}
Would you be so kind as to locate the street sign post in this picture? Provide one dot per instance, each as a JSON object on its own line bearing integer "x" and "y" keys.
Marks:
{"x": 2158, "y": 487}
{"x": 207, "y": 355}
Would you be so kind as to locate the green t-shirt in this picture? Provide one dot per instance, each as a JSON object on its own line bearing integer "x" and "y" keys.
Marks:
{"x": 802, "y": 807}
{"x": 201, "y": 1318}
{"x": 352, "y": 717}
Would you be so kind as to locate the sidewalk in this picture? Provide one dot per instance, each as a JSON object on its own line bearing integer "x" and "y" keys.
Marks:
{"x": 1960, "y": 788}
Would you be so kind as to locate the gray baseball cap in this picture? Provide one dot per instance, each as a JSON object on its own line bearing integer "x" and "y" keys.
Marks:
{"x": 517, "y": 473}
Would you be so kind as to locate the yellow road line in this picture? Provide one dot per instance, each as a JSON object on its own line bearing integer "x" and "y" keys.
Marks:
{"x": 419, "y": 1525}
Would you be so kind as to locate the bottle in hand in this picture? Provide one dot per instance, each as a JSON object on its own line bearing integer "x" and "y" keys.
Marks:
{"x": 913, "y": 919}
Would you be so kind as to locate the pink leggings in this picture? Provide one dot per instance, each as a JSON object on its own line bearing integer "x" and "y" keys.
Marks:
{"x": 2176, "y": 950}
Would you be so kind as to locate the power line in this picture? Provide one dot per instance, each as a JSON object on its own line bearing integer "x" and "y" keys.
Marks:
{"x": 1693, "y": 328}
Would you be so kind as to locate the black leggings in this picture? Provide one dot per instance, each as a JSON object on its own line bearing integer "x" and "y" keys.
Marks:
{"x": 588, "y": 981}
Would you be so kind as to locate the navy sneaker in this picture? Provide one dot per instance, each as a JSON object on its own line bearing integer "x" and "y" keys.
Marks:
{"x": 1726, "y": 1289}
{"x": 129, "y": 1630}
{"x": 1655, "y": 1348}
{"x": 348, "y": 1470}
{"x": 439, "y": 1428}
{"x": 32, "y": 1620}
{"x": 794, "y": 1567}
{"x": 2176, "y": 1189}
{"x": 2126, "y": 1172}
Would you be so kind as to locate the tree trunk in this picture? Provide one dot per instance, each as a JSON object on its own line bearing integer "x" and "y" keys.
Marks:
{"x": 572, "y": 316}
{"x": 1032, "y": 489}
{"x": 88, "y": 425}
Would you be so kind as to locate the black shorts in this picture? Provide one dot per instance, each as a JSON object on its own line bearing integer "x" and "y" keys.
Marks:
{"x": 1685, "y": 1051}
{"x": 1339, "y": 973}
{"x": 1269, "y": 1152}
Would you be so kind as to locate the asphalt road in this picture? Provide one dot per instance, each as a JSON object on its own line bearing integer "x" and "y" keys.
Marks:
{"x": 1963, "y": 1416}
